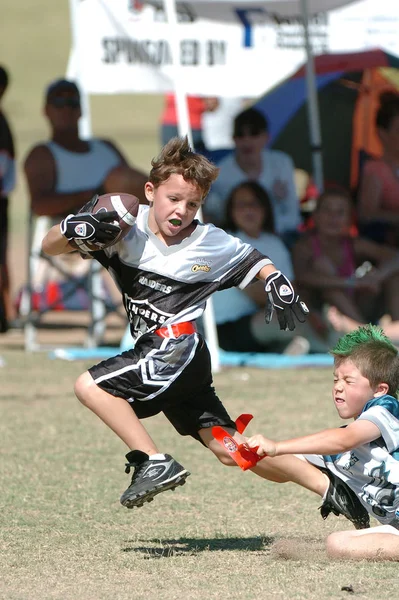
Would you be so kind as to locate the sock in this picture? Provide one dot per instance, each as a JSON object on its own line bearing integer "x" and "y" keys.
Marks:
{"x": 325, "y": 493}
{"x": 157, "y": 457}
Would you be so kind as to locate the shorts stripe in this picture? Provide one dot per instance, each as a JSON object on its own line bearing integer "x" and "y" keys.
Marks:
{"x": 149, "y": 370}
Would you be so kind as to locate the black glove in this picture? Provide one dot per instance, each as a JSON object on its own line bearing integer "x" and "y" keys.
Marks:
{"x": 282, "y": 297}
{"x": 90, "y": 205}
{"x": 94, "y": 228}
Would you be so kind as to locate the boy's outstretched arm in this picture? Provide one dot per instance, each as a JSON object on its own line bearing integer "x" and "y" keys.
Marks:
{"x": 329, "y": 441}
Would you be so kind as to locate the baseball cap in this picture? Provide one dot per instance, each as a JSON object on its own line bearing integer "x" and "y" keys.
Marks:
{"x": 59, "y": 85}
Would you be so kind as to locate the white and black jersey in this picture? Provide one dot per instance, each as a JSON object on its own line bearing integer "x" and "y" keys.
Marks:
{"x": 166, "y": 285}
{"x": 162, "y": 285}
{"x": 372, "y": 470}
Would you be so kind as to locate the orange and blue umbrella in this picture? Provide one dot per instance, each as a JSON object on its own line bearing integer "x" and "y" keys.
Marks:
{"x": 348, "y": 87}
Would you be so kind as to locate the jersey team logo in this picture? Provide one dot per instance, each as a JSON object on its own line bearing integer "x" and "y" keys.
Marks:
{"x": 204, "y": 268}
{"x": 80, "y": 229}
{"x": 285, "y": 290}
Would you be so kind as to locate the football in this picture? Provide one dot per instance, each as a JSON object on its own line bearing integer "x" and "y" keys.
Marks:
{"x": 127, "y": 207}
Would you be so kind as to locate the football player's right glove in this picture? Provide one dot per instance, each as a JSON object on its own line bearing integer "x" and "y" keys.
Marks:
{"x": 283, "y": 298}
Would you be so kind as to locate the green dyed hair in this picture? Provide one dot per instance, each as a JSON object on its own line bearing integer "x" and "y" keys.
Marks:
{"x": 373, "y": 354}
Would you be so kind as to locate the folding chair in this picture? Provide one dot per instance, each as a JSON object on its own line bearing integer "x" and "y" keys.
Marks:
{"x": 90, "y": 283}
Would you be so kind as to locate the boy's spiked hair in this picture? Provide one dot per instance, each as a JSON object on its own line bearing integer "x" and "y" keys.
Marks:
{"x": 178, "y": 157}
{"x": 373, "y": 354}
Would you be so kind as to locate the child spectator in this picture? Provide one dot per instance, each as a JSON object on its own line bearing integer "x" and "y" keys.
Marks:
{"x": 333, "y": 267}
{"x": 239, "y": 314}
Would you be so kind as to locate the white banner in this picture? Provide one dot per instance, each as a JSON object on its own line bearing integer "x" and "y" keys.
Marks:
{"x": 122, "y": 47}
{"x": 365, "y": 24}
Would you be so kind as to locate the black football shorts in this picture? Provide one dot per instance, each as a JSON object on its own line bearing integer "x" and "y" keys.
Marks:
{"x": 169, "y": 375}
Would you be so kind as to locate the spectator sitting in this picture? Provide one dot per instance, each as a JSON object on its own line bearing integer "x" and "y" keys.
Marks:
{"x": 7, "y": 183}
{"x": 378, "y": 202}
{"x": 272, "y": 169}
{"x": 239, "y": 314}
{"x": 330, "y": 269}
{"x": 65, "y": 172}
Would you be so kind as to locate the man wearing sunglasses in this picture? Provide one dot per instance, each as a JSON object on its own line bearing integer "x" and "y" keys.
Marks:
{"x": 251, "y": 160}
{"x": 65, "y": 172}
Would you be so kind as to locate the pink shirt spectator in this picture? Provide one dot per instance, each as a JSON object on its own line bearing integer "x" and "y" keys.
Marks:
{"x": 389, "y": 183}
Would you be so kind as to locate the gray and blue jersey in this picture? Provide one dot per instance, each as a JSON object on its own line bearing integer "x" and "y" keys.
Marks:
{"x": 372, "y": 470}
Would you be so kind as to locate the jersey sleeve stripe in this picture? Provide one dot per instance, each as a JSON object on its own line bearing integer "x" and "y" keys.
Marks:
{"x": 253, "y": 272}
{"x": 386, "y": 423}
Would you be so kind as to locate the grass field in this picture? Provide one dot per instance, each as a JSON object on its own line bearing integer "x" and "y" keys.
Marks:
{"x": 63, "y": 533}
{"x": 65, "y": 536}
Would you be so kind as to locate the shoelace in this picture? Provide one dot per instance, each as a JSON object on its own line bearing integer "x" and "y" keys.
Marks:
{"x": 137, "y": 468}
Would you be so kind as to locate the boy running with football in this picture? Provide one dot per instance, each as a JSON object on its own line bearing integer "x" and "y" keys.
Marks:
{"x": 166, "y": 268}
